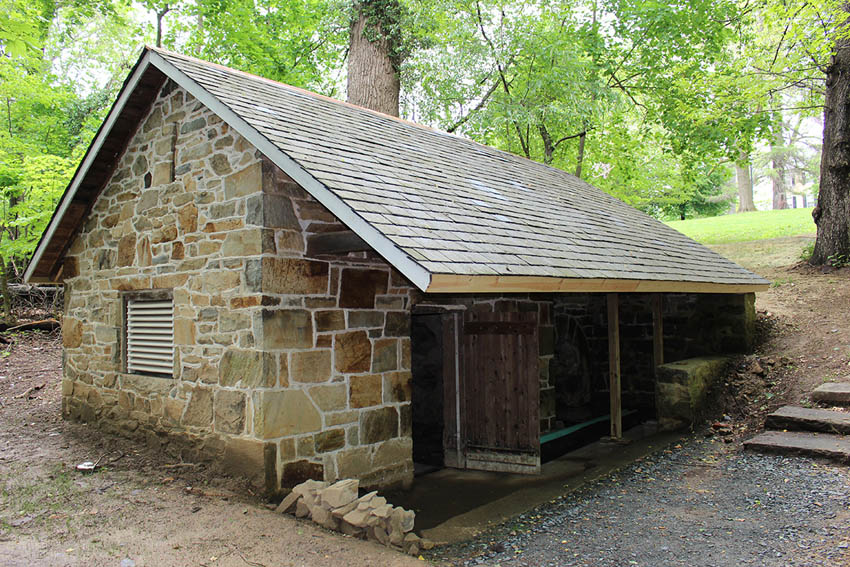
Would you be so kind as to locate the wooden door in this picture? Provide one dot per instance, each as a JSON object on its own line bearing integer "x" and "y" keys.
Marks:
{"x": 501, "y": 392}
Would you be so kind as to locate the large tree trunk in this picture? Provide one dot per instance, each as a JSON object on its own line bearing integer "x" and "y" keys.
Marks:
{"x": 832, "y": 214}
{"x": 780, "y": 197}
{"x": 745, "y": 185}
{"x": 372, "y": 77}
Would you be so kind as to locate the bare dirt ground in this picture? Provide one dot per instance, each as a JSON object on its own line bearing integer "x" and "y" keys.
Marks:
{"x": 141, "y": 509}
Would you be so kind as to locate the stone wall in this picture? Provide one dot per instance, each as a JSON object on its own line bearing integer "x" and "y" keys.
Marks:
{"x": 694, "y": 325}
{"x": 286, "y": 367}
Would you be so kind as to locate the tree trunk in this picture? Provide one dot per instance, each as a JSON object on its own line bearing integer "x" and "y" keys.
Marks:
{"x": 372, "y": 77}
{"x": 780, "y": 197}
{"x": 9, "y": 317}
{"x": 745, "y": 185}
{"x": 582, "y": 137}
{"x": 832, "y": 213}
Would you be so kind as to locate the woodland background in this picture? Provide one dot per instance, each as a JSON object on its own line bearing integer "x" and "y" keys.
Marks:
{"x": 674, "y": 107}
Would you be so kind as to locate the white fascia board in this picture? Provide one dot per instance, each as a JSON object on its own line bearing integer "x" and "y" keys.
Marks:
{"x": 83, "y": 169}
{"x": 420, "y": 277}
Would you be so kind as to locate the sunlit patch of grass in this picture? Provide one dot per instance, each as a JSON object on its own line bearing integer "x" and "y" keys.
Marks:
{"x": 742, "y": 227}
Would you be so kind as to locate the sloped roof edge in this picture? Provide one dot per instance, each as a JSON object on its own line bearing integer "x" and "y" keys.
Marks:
{"x": 418, "y": 275}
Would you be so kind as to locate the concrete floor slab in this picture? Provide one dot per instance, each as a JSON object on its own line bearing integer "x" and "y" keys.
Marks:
{"x": 454, "y": 505}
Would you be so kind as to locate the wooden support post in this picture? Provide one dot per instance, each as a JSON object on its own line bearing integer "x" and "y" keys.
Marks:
{"x": 657, "y": 331}
{"x": 614, "y": 365}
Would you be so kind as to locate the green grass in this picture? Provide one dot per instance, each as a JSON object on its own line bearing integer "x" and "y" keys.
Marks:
{"x": 741, "y": 227}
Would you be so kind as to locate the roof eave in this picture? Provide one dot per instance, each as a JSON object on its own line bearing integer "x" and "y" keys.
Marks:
{"x": 451, "y": 283}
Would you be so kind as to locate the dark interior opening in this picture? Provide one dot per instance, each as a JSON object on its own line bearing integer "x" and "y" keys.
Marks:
{"x": 579, "y": 376}
{"x": 427, "y": 392}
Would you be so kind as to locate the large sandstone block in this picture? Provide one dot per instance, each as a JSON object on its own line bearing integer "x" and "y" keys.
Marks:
{"x": 287, "y": 328}
{"x": 359, "y": 287}
{"x": 354, "y": 463}
{"x": 295, "y": 275}
{"x": 127, "y": 250}
{"x": 199, "y": 412}
{"x": 352, "y": 352}
{"x": 72, "y": 332}
{"x": 284, "y": 413}
{"x": 330, "y": 320}
{"x": 681, "y": 387}
{"x": 311, "y": 366}
{"x": 393, "y": 452}
{"x": 243, "y": 182}
{"x": 230, "y": 412}
{"x": 329, "y": 440}
{"x": 329, "y": 397}
{"x": 385, "y": 355}
{"x": 378, "y": 425}
{"x": 365, "y": 390}
{"x": 398, "y": 386}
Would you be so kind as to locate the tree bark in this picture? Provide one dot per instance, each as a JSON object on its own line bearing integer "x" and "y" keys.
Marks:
{"x": 780, "y": 196}
{"x": 9, "y": 317}
{"x": 832, "y": 213}
{"x": 373, "y": 80}
{"x": 582, "y": 137}
{"x": 745, "y": 185}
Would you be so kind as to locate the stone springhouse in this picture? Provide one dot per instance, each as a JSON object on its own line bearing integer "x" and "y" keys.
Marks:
{"x": 300, "y": 288}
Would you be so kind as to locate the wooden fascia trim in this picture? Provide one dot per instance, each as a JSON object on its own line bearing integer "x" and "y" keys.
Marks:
{"x": 449, "y": 283}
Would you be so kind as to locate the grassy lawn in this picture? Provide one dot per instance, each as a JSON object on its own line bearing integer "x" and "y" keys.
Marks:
{"x": 741, "y": 227}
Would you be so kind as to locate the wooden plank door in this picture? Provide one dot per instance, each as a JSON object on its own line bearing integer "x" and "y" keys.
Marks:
{"x": 501, "y": 392}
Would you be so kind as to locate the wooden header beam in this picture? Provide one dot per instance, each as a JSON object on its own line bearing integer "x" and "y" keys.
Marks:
{"x": 450, "y": 283}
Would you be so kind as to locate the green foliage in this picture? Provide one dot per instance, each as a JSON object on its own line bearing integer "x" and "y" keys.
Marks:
{"x": 806, "y": 252}
{"x": 838, "y": 260}
{"x": 51, "y": 106}
{"x": 742, "y": 227}
{"x": 299, "y": 43}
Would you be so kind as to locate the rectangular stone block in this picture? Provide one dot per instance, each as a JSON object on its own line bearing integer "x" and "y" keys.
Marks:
{"x": 294, "y": 275}
{"x": 378, "y": 425}
{"x": 365, "y": 390}
{"x": 352, "y": 352}
{"x": 230, "y": 412}
{"x": 243, "y": 182}
{"x": 358, "y": 287}
{"x": 284, "y": 413}
{"x": 329, "y": 320}
{"x": 310, "y": 366}
{"x": 287, "y": 329}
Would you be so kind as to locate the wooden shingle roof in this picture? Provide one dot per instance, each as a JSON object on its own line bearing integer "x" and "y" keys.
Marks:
{"x": 449, "y": 213}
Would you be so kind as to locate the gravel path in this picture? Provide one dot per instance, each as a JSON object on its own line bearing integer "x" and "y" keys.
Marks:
{"x": 701, "y": 503}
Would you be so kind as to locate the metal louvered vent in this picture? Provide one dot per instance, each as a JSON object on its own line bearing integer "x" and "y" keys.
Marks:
{"x": 150, "y": 336}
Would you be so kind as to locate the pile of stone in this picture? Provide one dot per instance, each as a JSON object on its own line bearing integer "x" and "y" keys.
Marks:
{"x": 338, "y": 507}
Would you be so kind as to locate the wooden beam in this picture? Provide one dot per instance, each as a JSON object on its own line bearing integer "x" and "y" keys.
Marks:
{"x": 614, "y": 365}
{"x": 657, "y": 331}
{"x": 453, "y": 283}
{"x": 340, "y": 242}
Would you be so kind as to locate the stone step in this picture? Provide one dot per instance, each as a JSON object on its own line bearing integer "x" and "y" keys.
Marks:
{"x": 835, "y": 393}
{"x": 809, "y": 419}
{"x": 809, "y": 444}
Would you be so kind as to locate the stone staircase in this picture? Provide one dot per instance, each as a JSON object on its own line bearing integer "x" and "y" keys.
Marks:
{"x": 813, "y": 432}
